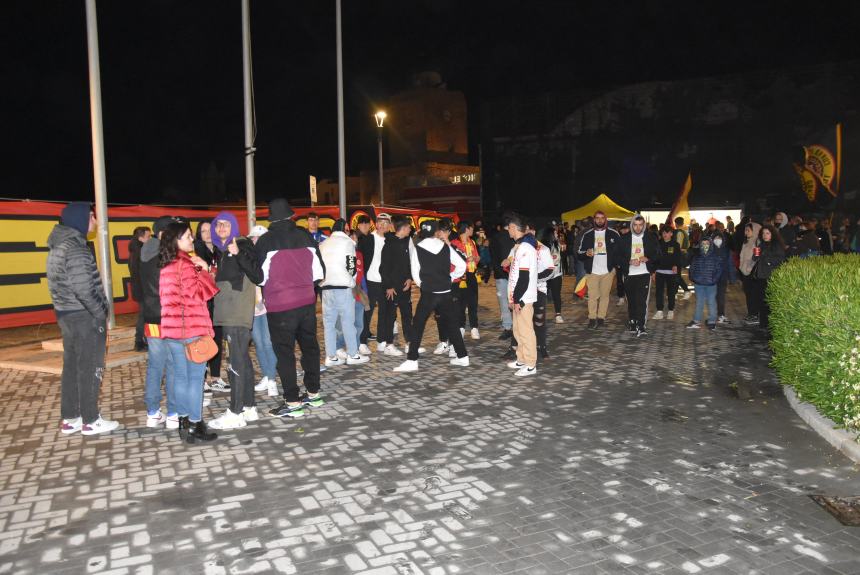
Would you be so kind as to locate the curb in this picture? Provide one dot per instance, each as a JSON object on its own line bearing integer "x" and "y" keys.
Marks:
{"x": 824, "y": 426}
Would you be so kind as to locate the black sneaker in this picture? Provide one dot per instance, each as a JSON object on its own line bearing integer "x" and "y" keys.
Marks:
{"x": 631, "y": 325}
{"x": 711, "y": 326}
{"x": 316, "y": 401}
{"x": 506, "y": 334}
{"x": 592, "y": 324}
{"x": 640, "y": 331}
{"x": 544, "y": 354}
{"x": 286, "y": 410}
{"x": 600, "y": 323}
{"x": 751, "y": 320}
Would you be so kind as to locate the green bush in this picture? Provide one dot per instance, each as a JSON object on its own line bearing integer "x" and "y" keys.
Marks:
{"x": 815, "y": 325}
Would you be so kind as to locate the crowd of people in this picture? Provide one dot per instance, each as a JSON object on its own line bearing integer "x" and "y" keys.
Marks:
{"x": 214, "y": 285}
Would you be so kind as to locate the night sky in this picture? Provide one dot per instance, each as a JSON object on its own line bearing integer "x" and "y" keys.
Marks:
{"x": 172, "y": 76}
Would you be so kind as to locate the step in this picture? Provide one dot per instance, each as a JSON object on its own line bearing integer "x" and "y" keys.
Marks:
{"x": 32, "y": 357}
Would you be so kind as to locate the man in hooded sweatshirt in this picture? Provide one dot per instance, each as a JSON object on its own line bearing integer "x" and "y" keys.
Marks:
{"x": 523, "y": 294}
{"x": 706, "y": 268}
{"x": 785, "y": 229}
{"x": 81, "y": 308}
{"x": 396, "y": 275}
{"x": 638, "y": 253}
{"x": 289, "y": 265}
{"x": 234, "y": 312}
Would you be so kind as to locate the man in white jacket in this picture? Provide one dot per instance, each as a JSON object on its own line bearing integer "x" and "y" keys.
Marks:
{"x": 338, "y": 301}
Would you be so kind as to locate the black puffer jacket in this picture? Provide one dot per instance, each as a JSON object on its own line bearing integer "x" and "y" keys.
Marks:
{"x": 150, "y": 275}
{"x": 73, "y": 278}
{"x": 395, "y": 266}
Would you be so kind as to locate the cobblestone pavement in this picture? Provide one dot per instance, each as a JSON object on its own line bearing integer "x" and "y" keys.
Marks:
{"x": 621, "y": 456}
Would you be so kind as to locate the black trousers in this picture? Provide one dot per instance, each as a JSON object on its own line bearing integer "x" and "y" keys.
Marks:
{"x": 139, "y": 336}
{"x": 286, "y": 328}
{"x": 750, "y": 295}
{"x": 554, "y": 288}
{"x": 721, "y": 295}
{"x": 240, "y": 370}
{"x": 84, "y": 344}
{"x": 444, "y": 305}
{"x": 539, "y": 320}
{"x": 443, "y": 324}
{"x": 375, "y": 296}
{"x": 637, "y": 288}
{"x": 619, "y": 285}
{"x": 214, "y": 365}
{"x": 681, "y": 283}
{"x": 759, "y": 288}
{"x": 388, "y": 315}
{"x": 468, "y": 297}
{"x": 667, "y": 282}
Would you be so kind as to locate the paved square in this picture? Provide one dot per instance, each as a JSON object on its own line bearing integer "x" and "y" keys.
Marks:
{"x": 620, "y": 456}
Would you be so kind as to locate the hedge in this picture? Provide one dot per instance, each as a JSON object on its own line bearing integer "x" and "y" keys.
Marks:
{"x": 815, "y": 328}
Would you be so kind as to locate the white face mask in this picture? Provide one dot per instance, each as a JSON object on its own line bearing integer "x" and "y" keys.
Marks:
{"x": 718, "y": 242}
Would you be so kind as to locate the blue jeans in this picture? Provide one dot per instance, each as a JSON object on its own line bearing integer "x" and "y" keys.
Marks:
{"x": 359, "y": 326}
{"x": 263, "y": 345}
{"x": 339, "y": 304}
{"x": 187, "y": 380}
{"x": 158, "y": 367}
{"x": 706, "y": 294}
{"x": 502, "y": 295}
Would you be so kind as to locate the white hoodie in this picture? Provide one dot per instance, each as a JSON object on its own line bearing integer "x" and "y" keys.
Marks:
{"x": 338, "y": 254}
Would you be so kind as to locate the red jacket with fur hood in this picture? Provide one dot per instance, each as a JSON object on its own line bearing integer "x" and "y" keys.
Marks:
{"x": 184, "y": 292}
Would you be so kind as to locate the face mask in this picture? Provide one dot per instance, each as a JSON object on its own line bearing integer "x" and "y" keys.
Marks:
{"x": 718, "y": 242}
{"x": 705, "y": 248}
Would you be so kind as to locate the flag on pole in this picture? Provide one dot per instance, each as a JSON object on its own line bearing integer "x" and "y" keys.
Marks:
{"x": 822, "y": 166}
{"x": 681, "y": 207}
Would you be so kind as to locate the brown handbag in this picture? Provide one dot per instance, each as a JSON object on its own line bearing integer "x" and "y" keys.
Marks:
{"x": 204, "y": 347}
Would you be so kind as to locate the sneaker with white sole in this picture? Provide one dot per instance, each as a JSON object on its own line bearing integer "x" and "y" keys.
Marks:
{"x": 451, "y": 351}
{"x": 475, "y": 333}
{"x": 516, "y": 365}
{"x": 420, "y": 349}
{"x": 287, "y": 410}
{"x": 380, "y": 347}
{"x": 99, "y": 426}
{"x": 357, "y": 359}
{"x": 670, "y": 314}
{"x": 461, "y": 361}
{"x": 332, "y": 361}
{"x": 525, "y": 371}
{"x": 408, "y": 365}
{"x": 392, "y": 350}
{"x": 172, "y": 421}
{"x": 71, "y": 426}
{"x": 441, "y": 348}
{"x": 312, "y": 400}
{"x": 228, "y": 420}
{"x": 341, "y": 353}
{"x": 723, "y": 319}
{"x": 658, "y": 315}
{"x": 155, "y": 419}
{"x": 219, "y": 385}
{"x": 558, "y": 318}
{"x": 250, "y": 414}
{"x": 273, "y": 388}
{"x": 694, "y": 325}
{"x": 263, "y": 385}
{"x": 364, "y": 350}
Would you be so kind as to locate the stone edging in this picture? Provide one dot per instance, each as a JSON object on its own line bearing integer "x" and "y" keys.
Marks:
{"x": 824, "y": 426}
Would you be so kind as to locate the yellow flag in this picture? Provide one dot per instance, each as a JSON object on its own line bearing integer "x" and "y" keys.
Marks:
{"x": 681, "y": 207}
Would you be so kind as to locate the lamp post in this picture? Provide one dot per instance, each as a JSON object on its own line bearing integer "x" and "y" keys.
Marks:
{"x": 380, "y": 119}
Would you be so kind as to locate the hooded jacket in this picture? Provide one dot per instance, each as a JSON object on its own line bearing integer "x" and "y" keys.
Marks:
{"x": 338, "y": 254}
{"x": 523, "y": 278}
{"x": 670, "y": 255}
{"x": 434, "y": 265}
{"x": 772, "y": 255}
{"x": 184, "y": 291}
{"x": 786, "y": 230}
{"x": 394, "y": 268}
{"x": 150, "y": 273}
{"x": 746, "y": 255}
{"x": 73, "y": 278}
{"x": 624, "y": 246}
{"x": 501, "y": 245}
{"x": 587, "y": 243}
{"x": 706, "y": 266}
{"x": 234, "y": 303}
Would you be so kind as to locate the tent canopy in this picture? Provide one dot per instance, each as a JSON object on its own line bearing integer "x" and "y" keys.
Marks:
{"x": 602, "y": 203}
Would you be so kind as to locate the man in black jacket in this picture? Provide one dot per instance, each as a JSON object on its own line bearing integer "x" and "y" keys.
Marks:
{"x": 140, "y": 235}
{"x": 597, "y": 249}
{"x": 500, "y": 248}
{"x": 637, "y": 255}
{"x": 394, "y": 269}
{"x": 370, "y": 246}
{"x": 81, "y": 308}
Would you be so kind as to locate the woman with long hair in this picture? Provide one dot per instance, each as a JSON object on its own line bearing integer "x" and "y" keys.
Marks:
{"x": 185, "y": 285}
{"x": 749, "y": 232}
{"x": 204, "y": 246}
{"x": 768, "y": 255}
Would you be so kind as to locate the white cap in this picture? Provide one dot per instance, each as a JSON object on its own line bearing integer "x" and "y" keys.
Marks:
{"x": 257, "y": 231}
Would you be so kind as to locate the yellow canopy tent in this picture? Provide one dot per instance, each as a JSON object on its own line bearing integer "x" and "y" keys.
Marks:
{"x": 602, "y": 203}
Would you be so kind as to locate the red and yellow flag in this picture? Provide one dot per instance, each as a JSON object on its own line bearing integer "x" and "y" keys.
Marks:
{"x": 681, "y": 207}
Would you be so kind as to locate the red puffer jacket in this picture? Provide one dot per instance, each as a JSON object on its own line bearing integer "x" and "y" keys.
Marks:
{"x": 184, "y": 292}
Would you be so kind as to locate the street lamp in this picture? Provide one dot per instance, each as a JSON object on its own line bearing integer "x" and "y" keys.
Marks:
{"x": 380, "y": 119}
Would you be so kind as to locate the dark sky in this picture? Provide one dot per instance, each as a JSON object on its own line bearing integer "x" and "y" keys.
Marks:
{"x": 172, "y": 75}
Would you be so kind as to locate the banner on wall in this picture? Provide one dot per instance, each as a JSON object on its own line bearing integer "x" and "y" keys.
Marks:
{"x": 25, "y": 226}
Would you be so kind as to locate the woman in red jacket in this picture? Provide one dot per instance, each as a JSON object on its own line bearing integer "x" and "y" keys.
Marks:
{"x": 185, "y": 285}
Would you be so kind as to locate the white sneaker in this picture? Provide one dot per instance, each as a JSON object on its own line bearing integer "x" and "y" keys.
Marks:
{"x": 658, "y": 315}
{"x": 99, "y": 426}
{"x": 558, "y": 318}
{"x": 380, "y": 347}
{"x": 364, "y": 350}
{"x": 392, "y": 350}
{"x": 263, "y": 385}
{"x": 219, "y": 385}
{"x": 525, "y": 371}
{"x": 71, "y": 426}
{"x": 475, "y": 333}
{"x": 155, "y": 420}
{"x": 250, "y": 414}
{"x": 332, "y": 361}
{"x": 341, "y": 353}
{"x": 621, "y": 301}
{"x": 273, "y": 388}
{"x": 461, "y": 361}
{"x": 408, "y": 365}
{"x": 420, "y": 349}
{"x": 228, "y": 420}
{"x": 516, "y": 365}
{"x": 172, "y": 421}
{"x": 451, "y": 351}
{"x": 723, "y": 319}
{"x": 357, "y": 359}
{"x": 441, "y": 348}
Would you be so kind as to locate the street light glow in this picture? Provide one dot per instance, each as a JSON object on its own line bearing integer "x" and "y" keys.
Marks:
{"x": 380, "y": 118}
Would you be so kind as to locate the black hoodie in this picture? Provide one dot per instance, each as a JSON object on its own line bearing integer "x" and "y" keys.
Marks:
{"x": 395, "y": 267}
{"x": 670, "y": 255}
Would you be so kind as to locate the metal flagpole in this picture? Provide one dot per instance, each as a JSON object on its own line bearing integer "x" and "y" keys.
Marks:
{"x": 341, "y": 153}
{"x": 250, "y": 149}
{"x": 99, "y": 156}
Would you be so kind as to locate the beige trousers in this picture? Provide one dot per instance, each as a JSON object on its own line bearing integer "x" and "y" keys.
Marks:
{"x": 599, "y": 288}
{"x": 524, "y": 332}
